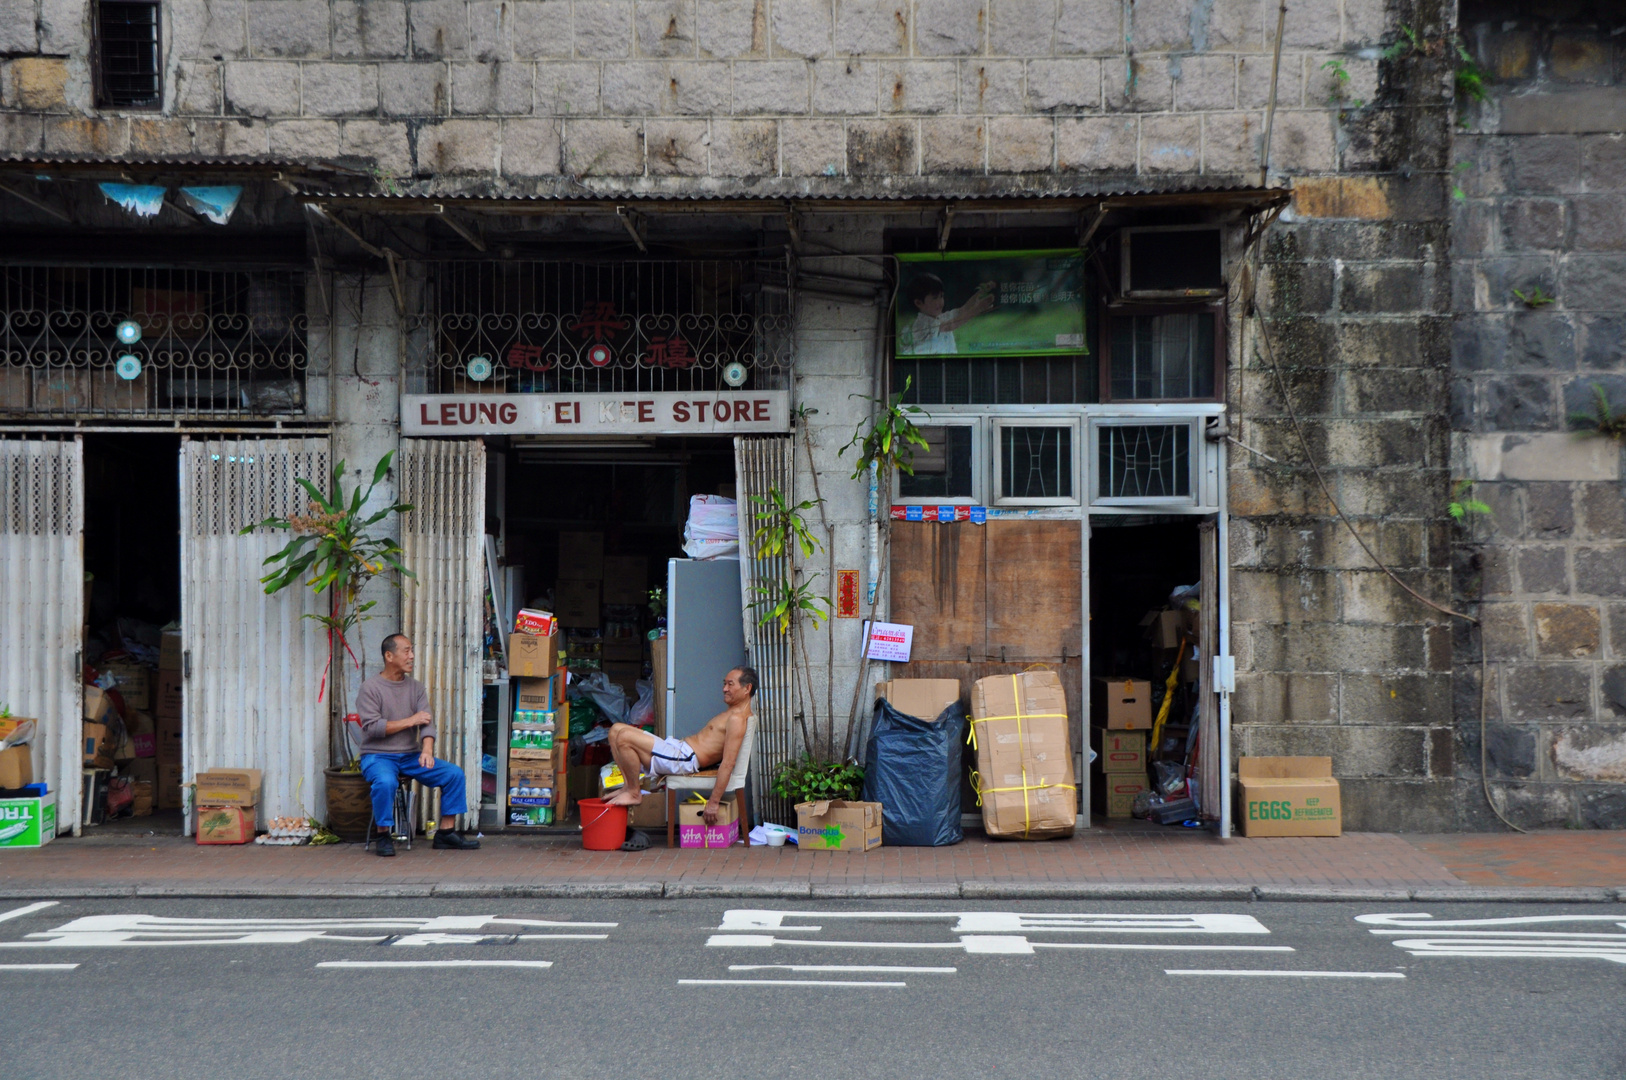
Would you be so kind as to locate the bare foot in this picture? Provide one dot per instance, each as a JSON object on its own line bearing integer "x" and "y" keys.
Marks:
{"x": 625, "y": 797}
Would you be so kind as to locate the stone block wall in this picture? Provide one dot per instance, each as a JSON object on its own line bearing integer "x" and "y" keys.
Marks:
{"x": 1541, "y": 177}
{"x": 673, "y": 93}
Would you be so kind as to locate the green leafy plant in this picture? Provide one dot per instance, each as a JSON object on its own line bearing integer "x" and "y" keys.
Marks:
{"x": 1407, "y": 44}
{"x": 810, "y": 780}
{"x": 657, "y": 602}
{"x": 1603, "y": 421}
{"x": 1456, "y": 187}
{"x": 885, "y": 444}
{"x": 1535, "y": 298}
{"x": 1462, "y": 503}
{"x": 332, "y": 551}
{"x": 1470, "y": 77}
{"x": 1339, "y": 91}
{"x": 787, "y": 597}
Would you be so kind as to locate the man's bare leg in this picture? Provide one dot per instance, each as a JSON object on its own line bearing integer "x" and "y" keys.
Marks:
{"x": 632, "y": 748}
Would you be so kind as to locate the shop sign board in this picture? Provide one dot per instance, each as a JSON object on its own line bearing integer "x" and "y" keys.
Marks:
{"x": 889, "y": 641}
{"x": 740, "y": 412}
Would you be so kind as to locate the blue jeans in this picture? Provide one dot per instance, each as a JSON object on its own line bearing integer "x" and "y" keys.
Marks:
{"x": 383, "y": 772}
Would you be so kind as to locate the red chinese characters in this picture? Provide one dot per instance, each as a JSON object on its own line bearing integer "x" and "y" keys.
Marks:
{"x": 669, "y": 352}
{"x": 599, "y": 321}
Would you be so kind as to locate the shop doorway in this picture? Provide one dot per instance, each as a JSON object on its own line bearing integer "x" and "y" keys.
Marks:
{"x": 586, "y": 531}
{"x": 132, "y": 567}
{"x": 1147, "y": 641}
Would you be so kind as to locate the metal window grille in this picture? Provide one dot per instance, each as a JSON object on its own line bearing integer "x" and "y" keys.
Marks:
{"x": 566, "y": 326}
{"x": 1145, "y": 461}
{"x": 213, "y": 343}
{"x": 128, "y": 59}
{"x": 1168, "y": 356}
{"x": 1037, "y": 380}
{"x": 1036, "y": 462}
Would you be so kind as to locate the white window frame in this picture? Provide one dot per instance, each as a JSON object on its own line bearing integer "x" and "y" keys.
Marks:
{"x": 1202, "y": 457}
{"x": 996, "y": 426}
{"x": 979, "y": 470}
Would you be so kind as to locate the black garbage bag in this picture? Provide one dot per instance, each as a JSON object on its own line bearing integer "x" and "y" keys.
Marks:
{"x": 912, "y": 768}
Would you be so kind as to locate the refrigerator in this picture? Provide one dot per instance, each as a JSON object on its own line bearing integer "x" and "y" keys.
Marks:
{"x": 705, "y": 637}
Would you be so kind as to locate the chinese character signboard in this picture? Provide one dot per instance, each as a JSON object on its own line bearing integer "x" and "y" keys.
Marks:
{"x": 741, "y": 412}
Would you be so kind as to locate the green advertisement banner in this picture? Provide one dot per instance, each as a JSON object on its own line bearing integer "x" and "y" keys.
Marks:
{"x": 991, "y": 303}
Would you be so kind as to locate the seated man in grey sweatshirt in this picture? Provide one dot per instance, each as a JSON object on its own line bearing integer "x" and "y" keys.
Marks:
{"x": 394, "y": 710}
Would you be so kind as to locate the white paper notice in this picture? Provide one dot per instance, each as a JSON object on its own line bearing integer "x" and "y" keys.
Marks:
{"x": 890, "y": 641}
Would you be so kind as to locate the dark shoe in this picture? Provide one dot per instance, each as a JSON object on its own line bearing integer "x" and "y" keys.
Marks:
{"x": 384, "y": 844}
{"x": 446, "y": 838}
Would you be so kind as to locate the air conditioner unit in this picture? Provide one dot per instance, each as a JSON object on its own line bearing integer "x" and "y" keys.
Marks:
{"x": 1171, "y": 262}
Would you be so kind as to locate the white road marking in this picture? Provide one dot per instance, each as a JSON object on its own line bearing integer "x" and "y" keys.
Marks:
{"x": 17, "y": 913}
{"x": 435, "y": 964}
{"x": 1004, "y": 922}
{"x": 563, "y": 937}
{"x": 1490, "y": 938}
{"x": 978, "y": 944}
{"x": 827, "y": 968}
{"x": 783, "y": 982}
{"x": 1287, "y": 974}
{"x": 37, "y": 967}
{"x": 134, "y": 929}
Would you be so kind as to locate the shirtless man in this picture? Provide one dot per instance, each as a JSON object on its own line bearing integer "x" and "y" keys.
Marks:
{"x": 718, "y": 743}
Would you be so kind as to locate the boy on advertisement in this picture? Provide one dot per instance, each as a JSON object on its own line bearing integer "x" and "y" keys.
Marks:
{"x": 932, "y": 332}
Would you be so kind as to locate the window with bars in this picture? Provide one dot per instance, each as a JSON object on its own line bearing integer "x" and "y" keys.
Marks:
{"x": 1163, "y": 355}
{"x": 1143, "y": 462}
{"x": 1032, "y": 380}
{"x": 1035, "y": 463}
{"x": 129, "y": 74}
{"x": 945, "y": 471}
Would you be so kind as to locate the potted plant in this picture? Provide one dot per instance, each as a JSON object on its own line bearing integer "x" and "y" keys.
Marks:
{"x": 333, "y": 551}
{"x": 810, "y": 780}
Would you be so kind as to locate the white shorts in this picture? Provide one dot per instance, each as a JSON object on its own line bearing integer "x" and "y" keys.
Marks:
{"x": 672, "y": 757}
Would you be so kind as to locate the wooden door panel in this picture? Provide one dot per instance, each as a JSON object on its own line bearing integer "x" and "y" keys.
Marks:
{"x": 1034, "y": 592}
{"x": 938, "y": 588}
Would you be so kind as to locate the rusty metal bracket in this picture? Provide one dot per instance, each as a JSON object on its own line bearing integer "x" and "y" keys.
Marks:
{"x": 635, "y": 226}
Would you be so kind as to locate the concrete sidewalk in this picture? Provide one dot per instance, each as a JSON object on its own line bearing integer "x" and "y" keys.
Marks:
{"x": 1126, "y": 862}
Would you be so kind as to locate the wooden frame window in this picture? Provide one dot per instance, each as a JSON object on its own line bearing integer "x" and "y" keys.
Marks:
{"x": 1162, "y": 352}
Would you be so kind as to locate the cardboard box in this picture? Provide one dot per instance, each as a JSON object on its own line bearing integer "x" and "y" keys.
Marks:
{"x": 693, "y": 832}
{"x": 532, "y": 657}
{"x": 657, "y": 654}
{"x": 16, "y": 768}
{"x": 98, "y": 706}
{"x": 227, "y": 787}
{"x": 1118, "y": 791}
{"x": 1123, "y": 704}
{"x": 167, "y": 743}
{"x": 169, "y": 785}
{"x": 537, "y": 758}
{"x": 924, "y": 699}
{"x": 61, "y": 390}
{"x": 1163, "y": 628}
{"x": 134, "y": 682}
{"x": 225, "y": 824}
{"x": 27, "y": 823}
{"x": 626, "y": 580}
{"x": 1119, "y": 751}
{"x": 577, "y": 601}
{"x": 99, "y": 742}
{"x": 1021, "y": 732}
{"x": 1288, "y": 796}
{"x": 141, "y": 769}
{"x": 534, "y": 695}
{"x": 169, "y": 651}
{"x": 625, "y": 676}
{"x": 533, "y": 773}
{"x": 143, "y": 793}
{"x": 166, "y": 697}
{"x": 536, "y": 622}
{"x": 649, "y": 814}
{"x": 837, "y": 825}
{"x": 581, "y": 558}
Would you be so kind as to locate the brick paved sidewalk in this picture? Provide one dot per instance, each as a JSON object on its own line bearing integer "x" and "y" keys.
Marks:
{"x": 1158, "y": 861}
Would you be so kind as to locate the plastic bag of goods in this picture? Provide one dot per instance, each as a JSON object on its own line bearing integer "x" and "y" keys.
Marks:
{"x": 912, "y": 768}
{"x": 642, "y": 713}
{"x": 609, "y": 698}
{"x": 713, "y": 528}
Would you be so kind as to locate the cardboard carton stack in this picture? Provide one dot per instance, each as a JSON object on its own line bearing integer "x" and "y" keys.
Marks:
{"x": 537, "y": 746}
{"x": 692, "y": 830}
{"x": 1121, "y": 763}
{"x": 1021, "y": 731}
{"x": 226, "y": 800}
{"x": 27, "y": 810}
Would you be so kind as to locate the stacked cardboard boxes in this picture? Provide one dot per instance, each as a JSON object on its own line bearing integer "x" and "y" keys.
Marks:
{"x": 537, "y": 745}
{"x": 226, "y": 800}
{"x": 1021, "y": 731}
{"x": 1121, "y": 761}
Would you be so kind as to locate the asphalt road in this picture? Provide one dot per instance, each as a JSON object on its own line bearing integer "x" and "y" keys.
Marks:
{"x": 242, "y": 989}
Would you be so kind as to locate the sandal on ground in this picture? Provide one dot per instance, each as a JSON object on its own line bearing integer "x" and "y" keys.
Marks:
{"x": 638, "y": 841}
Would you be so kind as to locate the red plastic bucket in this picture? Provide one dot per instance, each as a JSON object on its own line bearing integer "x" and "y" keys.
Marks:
{"x": 604, "y": 826}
